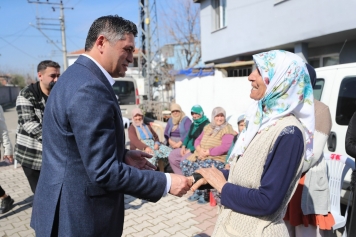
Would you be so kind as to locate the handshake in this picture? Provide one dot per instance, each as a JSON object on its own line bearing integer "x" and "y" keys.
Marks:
{"x": 181, "y": 184}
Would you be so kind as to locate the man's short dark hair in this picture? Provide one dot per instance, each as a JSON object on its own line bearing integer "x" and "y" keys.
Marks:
{"x": 47, "y": 63}
{"x": 114, "y": 28}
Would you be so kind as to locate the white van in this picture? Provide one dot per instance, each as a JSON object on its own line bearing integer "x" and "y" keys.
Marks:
{"x": 125, "y": 89}
{"x": 336, "y": 87}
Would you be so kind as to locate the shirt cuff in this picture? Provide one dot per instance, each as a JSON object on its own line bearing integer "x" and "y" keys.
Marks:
{"x": 168, "y": 185}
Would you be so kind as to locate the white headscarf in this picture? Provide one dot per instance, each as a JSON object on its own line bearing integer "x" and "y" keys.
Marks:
{"x": 289, "y": 91}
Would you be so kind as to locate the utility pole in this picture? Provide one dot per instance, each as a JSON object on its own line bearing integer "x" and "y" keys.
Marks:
{"x": 62, "y": 27}
{"x": 148, "y": 43}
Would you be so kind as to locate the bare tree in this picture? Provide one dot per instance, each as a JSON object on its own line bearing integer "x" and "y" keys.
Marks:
{"x": 182, "y": 26}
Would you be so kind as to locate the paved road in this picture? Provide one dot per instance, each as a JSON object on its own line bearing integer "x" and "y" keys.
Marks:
{"x": 171, "y": 216}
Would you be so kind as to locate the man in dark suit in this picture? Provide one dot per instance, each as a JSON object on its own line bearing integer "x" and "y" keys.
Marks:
{"x": 86, "y": 170}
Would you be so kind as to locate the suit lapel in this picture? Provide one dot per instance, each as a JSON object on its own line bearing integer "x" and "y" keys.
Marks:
{"x": 88, "y": 63}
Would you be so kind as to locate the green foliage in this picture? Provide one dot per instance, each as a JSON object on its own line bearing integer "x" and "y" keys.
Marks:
{"x": 18, "y": 80}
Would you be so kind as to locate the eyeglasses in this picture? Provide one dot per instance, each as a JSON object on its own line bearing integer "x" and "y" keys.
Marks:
{"x": 175, "y": 111}
{"x": 54, "y": 76}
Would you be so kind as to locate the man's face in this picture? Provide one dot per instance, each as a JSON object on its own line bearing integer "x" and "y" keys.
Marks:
{"x": 119, "y": 55}
{"x": 50, "y": 74}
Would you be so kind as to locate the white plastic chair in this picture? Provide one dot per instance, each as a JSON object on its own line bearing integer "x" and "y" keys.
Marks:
{"x": 338, "y": 165}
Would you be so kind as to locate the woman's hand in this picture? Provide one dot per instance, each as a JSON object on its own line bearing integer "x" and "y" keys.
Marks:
{"x": 177, "y": 145}
{"x": 202, "y": 154}
{"x": 171, "y": 143}
{"x": 156, "y": 146}
{"x": 148, "y": 150}
{"x": 211, "y": 175}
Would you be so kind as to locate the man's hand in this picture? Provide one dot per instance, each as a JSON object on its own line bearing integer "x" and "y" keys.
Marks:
{"x": 9, "y": 158}
{"x": 180, "y": 185}
{"x": 211, "y": 175}
{"x": 138, "y": 160}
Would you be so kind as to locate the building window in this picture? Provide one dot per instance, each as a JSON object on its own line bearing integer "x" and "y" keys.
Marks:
{"x": 239, "y": 72}
{"x": 346, "y": 103}
{"x": 325, "y": 60}
{"x": 219, "y": 14}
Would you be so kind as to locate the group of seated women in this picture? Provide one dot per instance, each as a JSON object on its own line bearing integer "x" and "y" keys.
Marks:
{"x": 189, "y": 145}
{"x": 279, "y": 152}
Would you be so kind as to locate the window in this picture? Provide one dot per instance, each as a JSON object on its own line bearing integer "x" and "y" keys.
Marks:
{"x": 325, "y": 60}
{"x": 219, "y": 13}
{"x": 318, "y": 89}
{"x": 125, "y": 90}
{"x": 239, "y": 72}
{"x": 346, "y": 103}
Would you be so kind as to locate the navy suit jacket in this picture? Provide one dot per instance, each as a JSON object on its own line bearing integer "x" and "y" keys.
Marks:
{"x": 83, "y": 176}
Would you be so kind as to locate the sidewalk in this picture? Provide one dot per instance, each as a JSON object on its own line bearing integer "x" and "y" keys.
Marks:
{"x": 171, "y": 216}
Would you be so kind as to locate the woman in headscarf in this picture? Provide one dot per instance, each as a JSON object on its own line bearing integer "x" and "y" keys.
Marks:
{"x": 279, "y": 136}
{"x": 143, "y": 137}
{"x": 177, "y": 127}
{"x": 308, "y": 212}
{"x": 241, "y": 124}
{"x": 211, "y": 148}
{"x": 199, "y": 122}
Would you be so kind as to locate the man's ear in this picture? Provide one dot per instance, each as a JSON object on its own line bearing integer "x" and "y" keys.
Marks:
{"x": 39, "y": 75}
{"x": 100, "y": 43}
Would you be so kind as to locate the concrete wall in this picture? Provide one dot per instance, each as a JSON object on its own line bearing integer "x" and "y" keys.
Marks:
{"x": 8, "y": 94}
{"x": 254, "y": 25}
{"x": 231, "y": 93}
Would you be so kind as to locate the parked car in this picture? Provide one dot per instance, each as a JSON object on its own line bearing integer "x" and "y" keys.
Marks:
{"x": 336, "y": 87}
{"x": 127, "y": 93}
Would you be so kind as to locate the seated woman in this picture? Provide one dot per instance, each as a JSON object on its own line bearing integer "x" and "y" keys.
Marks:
{"x": 177, "y": 127}
{"x": 196, "y": 128}
{"x": 211, "y": 148}
{"x": 241, "y": 124}
{"x": 142, "y": 137}
{"x": 256, "y": 190}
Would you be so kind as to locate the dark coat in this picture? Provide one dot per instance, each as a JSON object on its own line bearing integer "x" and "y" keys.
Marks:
{"x": 83, "y": 177}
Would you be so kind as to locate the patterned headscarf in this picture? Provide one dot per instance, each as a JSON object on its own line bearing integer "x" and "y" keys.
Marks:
{"x": 217, "y": 128}
{"x": 176, "y": 119}
{"x": 289, "y": 91}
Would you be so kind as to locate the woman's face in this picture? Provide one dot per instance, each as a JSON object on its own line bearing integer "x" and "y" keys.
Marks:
{"x": 195, "y": 116}
{"x": 258, "y": 86}
{"x": 219, "y": 119}
{"x": 138, "y": 118}
{"x": 241, "y": 126}
{"x": 175, "y": 113}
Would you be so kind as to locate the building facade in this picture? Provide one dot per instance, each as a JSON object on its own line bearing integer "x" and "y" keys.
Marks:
{"x": 322, "y": 32}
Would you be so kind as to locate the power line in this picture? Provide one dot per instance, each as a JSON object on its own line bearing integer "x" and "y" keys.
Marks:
{"x": 18, "y": 48}
{"x": 62, "y": 27}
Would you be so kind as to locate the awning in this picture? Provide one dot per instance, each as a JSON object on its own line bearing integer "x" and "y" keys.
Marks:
{"x": 234, "y": 64}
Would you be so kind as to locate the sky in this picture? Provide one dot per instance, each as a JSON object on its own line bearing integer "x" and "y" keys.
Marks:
{"x": 22, "y": 46}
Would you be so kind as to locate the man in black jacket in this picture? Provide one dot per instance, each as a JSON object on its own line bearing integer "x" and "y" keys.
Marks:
{"x": 30, "y": 105}
{"x": 350, "y": 147}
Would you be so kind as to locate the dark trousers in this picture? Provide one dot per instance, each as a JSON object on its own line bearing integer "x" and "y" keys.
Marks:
{"x": 352, "y": 226}
{"x": 32, "y": 177}
{"x": 2, "y": 192}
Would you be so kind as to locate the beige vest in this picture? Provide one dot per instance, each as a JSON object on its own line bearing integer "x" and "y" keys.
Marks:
{"x": 247, "y": 172}
{"x": 208, "y": 142}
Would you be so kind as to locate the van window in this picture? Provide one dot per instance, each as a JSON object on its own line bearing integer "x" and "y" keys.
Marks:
{"x": 346, "y": 103}
{"x": 125, "y": 90}
{"x": 318, "y": 89}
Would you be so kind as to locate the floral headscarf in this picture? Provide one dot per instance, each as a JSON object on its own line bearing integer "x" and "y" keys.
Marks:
{"x": 289, "y": 91}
